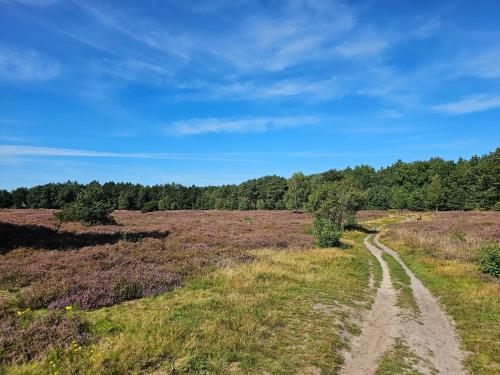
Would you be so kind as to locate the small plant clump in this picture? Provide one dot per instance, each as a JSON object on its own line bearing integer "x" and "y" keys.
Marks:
{"x": 488, "y": 258}
{"x": 327, "y": 233}
{"x": 150, "y": 207}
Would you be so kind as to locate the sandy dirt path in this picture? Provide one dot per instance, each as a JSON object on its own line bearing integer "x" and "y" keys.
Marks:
{"x": 378, "y": 330}
{"x": 430, "y": 335}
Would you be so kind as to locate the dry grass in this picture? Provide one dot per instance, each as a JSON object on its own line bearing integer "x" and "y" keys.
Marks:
{"x": 43, "y": 266}
{"x": 287, "y": 312}
{"x": 441, "y": 249}
{"x": 449, "y": 235}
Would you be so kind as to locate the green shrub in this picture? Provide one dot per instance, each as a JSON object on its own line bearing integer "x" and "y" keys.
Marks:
{"x": 244, "y": 204}
{"x": 261, "y": 205}
{"x": 489, "y": 258}
{"x": 131, "y": 236}
{"x": 150, "y": 206}
{"x": 327, "y": 233}
{"x": 91, "y": 207}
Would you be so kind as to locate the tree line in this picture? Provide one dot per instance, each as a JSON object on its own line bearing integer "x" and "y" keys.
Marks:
{"x": 435, "y": 184}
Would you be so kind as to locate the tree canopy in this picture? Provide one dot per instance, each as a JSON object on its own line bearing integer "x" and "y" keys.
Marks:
{"x": 432, "y": 184}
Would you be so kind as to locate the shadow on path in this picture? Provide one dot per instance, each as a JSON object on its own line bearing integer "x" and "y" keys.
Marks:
{"x": 361, "y": 228}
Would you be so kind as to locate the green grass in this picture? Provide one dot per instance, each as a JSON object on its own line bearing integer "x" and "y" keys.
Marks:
{"x": 469, "y": 297}
{"x": 401, "y": 282}
{"x": 399, "y": 360}
{"x": 283, "y": 313}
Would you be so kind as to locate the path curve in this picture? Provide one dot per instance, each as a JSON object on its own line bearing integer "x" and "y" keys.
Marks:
{"x": 431, "y": 335}
{"x": 378, "y": 330}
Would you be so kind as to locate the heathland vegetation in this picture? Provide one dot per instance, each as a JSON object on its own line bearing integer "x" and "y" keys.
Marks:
{"x": 241, "y": 290}
{"x": 450, "y": 252}
{"x": 435, "y": 184}
{"x": 224, "y": 291}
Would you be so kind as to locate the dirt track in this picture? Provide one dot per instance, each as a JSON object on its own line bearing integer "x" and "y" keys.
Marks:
{"x": 429, "y": 336}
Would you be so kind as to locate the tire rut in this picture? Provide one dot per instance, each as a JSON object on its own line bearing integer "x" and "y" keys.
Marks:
{"x": 430, "y": 335}
{"x": 378, "y": 330}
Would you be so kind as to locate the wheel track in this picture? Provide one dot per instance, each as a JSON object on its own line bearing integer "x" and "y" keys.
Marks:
{"x": 431, "y": 335}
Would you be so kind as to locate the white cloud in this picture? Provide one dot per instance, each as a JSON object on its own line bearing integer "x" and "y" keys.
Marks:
{"x": 364, "y": 46}
{"x": 13, "y": 151}
{"x": 237, "y": 125}
{"x": 476, "y": 103}
{"x": 428, "y": 28}
{"x": 309, "y": 89}
{"x": 483, "y": 65}
{"x": 391, "y": 113}
{"x": 26, "y": 65}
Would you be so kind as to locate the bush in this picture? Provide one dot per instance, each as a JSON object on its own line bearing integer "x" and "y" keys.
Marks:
{"x": 327, "y": 233}
{"x": 261, "y": 205}
{"x": 489, "y": 258}
{"x": 91, "y": 207}
{"x": 150, "y": 207}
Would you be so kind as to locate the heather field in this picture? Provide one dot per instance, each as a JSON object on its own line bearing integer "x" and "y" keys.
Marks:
{"x": 51, "y": 274}
{"x": 223, "y": 291}
{"x": 442, "y": 249}
{"x": 143, "y": 255}
{"x": 449, "y": 235}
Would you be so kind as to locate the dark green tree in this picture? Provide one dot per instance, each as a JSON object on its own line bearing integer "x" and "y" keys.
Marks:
{"x": 92, "y": 206}
{"x": 434, "y": 193}
{"x": 297, "y": 193}
{"x": 5, "y": 199}
{"x": 334, "y": 205}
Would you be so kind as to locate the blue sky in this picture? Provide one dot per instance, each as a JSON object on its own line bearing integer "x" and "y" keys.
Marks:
{"x": 213, "y": 92}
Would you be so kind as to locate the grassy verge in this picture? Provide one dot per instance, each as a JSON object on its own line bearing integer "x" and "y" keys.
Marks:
{"x": 399, "y": 360}
{"x": 284, "y": 313}
{"x": 468, "y": 296}
{"x": 401, "y": 282}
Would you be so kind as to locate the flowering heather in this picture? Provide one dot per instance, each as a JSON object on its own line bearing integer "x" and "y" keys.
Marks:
{"x": 449, "y": 235}
{"x": 23, "y": 337}
{"x": 74, "y": 266}
{"x": 143, "y": 255}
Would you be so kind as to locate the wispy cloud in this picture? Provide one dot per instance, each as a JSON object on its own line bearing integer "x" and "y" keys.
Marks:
{"x": 483, "y": 64}
{"x": 317, "y": 50}
{"x": 308, "y": 90}
{"x": 37, "y": 3}
{"x": 391, "y": 113}
{"x": 26, "y": 65}
{"x": 6, "y": 121}
{"x": 476, "y": 103}
{"x": 428, "y": 27}
{"x": 10, "y": 151}
{"x": 237, "y": 125}
{"x": 363, "y": 46}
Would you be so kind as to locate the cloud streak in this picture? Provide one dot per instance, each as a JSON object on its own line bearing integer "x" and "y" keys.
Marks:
{"x": 199, "y": 126}
{"x": 26, "y": 65}
{"x": 9, "y": 151}
{"x": 476, "y": 103}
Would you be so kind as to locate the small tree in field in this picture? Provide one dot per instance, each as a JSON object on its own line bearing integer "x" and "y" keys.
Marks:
{"x": 334, "y": 205}
{"x": 91, "y": 207}
{"x": 296, "y": 195}
{"x": 434, "y": 193}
